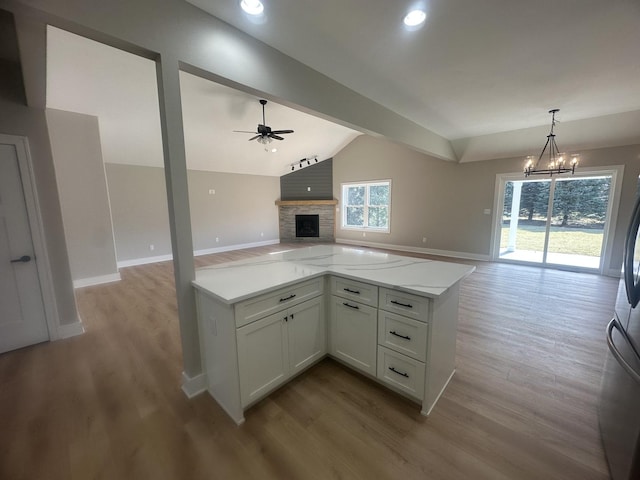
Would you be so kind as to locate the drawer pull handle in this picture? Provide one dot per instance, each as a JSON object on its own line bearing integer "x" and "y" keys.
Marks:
{"x": 407, "y": 305}
{"x": 351, "y": 291}
{"x": 288, "y": 298}
{"x": 351, "y": 306}
{"x": 406, "y": 337}
{"x": 399, "y": 373}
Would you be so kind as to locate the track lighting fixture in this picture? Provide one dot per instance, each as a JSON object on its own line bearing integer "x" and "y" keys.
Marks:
{"x": 301, "y": 163}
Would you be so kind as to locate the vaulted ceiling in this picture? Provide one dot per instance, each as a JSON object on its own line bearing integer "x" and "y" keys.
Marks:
{"x": 119, "y": 88}
{"x": 475, "y": 68}
{"x": 483, "y": 74}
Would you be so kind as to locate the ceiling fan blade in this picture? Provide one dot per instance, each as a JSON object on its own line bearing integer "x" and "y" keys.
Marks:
{"x": 271, "y": 135}
{"x": 244, "y": 131}
{"x": 281, "y": 132}
{"x": 253, "y": 138}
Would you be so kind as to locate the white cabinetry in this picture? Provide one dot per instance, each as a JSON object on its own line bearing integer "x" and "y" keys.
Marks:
{"x": 254, "y": 346}
{"x": 250, "y": 347}
{"x": 403, "y": 332}
{"x": 417, "y": 343}
{"x": 353, "y": 323}
{"x": 273, "y": 348}
{"x": 353, "y": 334}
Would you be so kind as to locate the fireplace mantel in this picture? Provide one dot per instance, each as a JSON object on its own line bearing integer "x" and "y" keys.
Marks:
{"x": 283, "y": 203}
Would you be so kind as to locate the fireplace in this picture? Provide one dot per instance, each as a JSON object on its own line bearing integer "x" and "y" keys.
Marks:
{"x": 294, "y": 229}
{"x": 307, "y": 225}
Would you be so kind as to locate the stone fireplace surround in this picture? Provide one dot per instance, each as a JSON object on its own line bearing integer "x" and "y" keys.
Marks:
{"x": 288, "y": 209}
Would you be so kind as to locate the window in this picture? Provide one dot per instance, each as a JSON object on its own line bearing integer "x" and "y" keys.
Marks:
{"x": 366, "y": 205}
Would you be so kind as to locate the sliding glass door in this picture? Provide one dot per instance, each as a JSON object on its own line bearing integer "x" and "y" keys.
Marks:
{"x": 556, "y": 221}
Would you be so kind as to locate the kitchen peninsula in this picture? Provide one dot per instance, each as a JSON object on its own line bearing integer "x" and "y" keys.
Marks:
{"x": 264, "y": 320}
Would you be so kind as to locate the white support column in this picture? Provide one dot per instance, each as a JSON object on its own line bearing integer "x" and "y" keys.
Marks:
{"x": 179, "y": 215}
{"x": 515, "y": 212}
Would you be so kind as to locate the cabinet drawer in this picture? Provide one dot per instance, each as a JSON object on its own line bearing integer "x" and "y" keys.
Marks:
{"x": 251, "y": 310}
{"x": 404, "y": 303}
{"x": 402, "y": 372}
{"x": 402, "y": 334}
{"x": 354, "y": 290}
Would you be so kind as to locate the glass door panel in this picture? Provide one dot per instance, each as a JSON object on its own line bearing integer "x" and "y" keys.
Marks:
{"x": 524, "y": 220}
{"x": 578, "y": 219}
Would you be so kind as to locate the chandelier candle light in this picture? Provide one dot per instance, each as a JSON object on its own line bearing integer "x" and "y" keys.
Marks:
{"x": 557, "y": 163}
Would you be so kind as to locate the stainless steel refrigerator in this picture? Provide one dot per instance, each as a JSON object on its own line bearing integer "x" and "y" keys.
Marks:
{"x": 619, "y": 408}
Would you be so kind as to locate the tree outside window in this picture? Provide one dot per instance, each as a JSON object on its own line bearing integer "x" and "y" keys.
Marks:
{"x": 366, "y": 206}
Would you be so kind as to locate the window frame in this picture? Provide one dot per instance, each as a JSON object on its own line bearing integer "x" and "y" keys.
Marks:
{"x": 343, "y": 205}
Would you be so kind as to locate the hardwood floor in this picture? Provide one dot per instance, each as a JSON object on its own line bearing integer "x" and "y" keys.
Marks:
{"x": 522, "y": 404}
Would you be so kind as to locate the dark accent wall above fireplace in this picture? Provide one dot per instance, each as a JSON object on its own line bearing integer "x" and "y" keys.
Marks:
{"x": 314, "y": 182}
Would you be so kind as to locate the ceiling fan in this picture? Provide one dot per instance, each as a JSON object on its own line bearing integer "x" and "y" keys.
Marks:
{"x": 264, "y": 134}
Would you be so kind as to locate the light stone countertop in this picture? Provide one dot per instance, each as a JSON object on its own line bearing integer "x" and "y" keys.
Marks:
{"x": 236, "y": 281}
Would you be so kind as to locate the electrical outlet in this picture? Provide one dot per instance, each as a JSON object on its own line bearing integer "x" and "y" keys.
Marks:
{"x": 364, "y": 234}
{"x": 487, "y": 211}
{"x": 424, "y": 239}
{"x": 152, "y": 247}
{"x": 212, "y": 191}
{"x": 217, "y": 239}
{"x": 308, "y": 189}
{"x": 262, "y": 234}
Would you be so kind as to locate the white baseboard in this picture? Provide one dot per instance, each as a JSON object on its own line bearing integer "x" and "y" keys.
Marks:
{"x": 70, "y": 330}
{"x": 87, "y": 282}
{"x": 144, "y": 260}
{"x": 425, "y": 251}
{"x": 207, "y": 251}
{"x": 240, "y": 246}
{"x": 192, "y": 386}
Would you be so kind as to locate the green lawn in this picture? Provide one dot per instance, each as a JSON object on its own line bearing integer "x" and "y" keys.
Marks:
{"x": 562, "y": 240}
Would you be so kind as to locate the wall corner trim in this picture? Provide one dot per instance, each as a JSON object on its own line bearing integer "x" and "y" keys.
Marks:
{"x": 86, "y": 282}
{"x": 192, "y": 386}
{"x": 70, "y": 330}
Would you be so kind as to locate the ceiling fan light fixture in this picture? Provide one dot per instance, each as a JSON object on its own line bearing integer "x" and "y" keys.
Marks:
{"x": 252, "y": 7}
{"x": 264, "y": 140}
{"x": 415, "y": 18}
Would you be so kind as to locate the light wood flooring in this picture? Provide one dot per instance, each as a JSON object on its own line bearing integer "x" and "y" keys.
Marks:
{"x": 522, "y": 404}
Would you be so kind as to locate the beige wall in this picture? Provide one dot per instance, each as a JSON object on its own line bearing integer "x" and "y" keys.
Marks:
{"x": 139, "y": 209}
{"x": 445, "y": 201}
{"x": 242, "y": 208}
{"x": 82, "y": 187}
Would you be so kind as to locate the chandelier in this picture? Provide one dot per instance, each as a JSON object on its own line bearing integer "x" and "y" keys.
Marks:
{"x": 557, "y": 163}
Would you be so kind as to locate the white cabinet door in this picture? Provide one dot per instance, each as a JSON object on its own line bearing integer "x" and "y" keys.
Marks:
{"x": 263, "y": 357}
{"x": 307, "y": 329}
{"x": 353, "y": 334}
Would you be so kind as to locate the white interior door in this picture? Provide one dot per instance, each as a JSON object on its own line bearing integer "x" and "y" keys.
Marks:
{"x": 22, "y": 317}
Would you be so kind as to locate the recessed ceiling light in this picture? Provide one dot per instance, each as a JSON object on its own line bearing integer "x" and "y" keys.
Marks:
{"x": 415, "y": 18}
{"x": 274, "y": 150}
{"x": 252, "y": 7}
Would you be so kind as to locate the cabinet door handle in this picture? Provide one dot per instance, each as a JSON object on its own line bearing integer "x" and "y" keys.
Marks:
{"x": 407, "y": 305}
{"x": 351, "y": 291}
{"x": 351, "y": 306}
{"x": 286, "y": 319}
{"x": 288, "y": 298}
{"x": 399, "y": 373}
{"x": 406, "y": 337}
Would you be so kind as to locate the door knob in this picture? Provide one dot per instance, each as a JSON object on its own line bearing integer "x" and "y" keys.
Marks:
{"x": 23, "y": 259}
